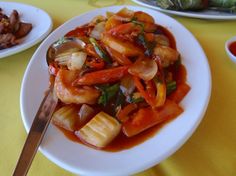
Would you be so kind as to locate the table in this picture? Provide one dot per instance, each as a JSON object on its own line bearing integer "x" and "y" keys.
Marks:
{"x": 210, "y": 151}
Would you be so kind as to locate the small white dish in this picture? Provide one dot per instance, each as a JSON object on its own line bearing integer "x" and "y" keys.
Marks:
{"x": 227, "y": 44}
{"x": 41, "y": 21}
{"x": 203, "y": 14}
{"x": 83, "y": 160}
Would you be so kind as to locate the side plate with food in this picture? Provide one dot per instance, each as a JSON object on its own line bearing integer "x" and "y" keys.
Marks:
{"x": 202, "y": 14}
{"x": 41, "y": 26}
{"x": 90, "y": 156}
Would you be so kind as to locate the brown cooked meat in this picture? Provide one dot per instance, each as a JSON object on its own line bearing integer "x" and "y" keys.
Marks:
{"x": 24, "y": 29}
{"x": 12, "y": 29}
{"x": 7, "y": 40}
{"x": 14, "y": 21}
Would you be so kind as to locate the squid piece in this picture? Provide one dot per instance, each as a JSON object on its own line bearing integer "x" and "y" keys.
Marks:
{"x": 99, "y": 131}
{"x": 125, "y": 48}
{"x": 66, "y": 117}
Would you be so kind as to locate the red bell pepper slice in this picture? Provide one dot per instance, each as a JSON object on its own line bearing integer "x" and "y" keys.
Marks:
{"x": 123, "y": 114}
{"x": 148, "y": 117}
{"x": 102, "y": 76}
{"x": 179, "y": 93}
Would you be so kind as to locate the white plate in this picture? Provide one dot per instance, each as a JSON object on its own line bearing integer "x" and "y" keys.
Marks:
{"x": 83, "y": 160}
{"x": 41, "y": 21}
{"x": 204, "y": 14}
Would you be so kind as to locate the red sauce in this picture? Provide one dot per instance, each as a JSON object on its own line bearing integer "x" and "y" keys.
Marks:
{"x": 232, "y": 48}
{"x": 122, "y": 142}
{"x": 180, "y": 75}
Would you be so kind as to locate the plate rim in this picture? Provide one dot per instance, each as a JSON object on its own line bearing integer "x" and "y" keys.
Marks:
{"x": 23, "y": 46}
{"x": 196, "y": 15}
{"x": 149, "y": 164}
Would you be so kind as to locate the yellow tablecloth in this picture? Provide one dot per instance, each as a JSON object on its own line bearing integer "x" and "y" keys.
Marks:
{"x": 210, "y": 151}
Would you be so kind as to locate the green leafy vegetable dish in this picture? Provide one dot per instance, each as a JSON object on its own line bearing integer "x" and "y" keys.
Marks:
{"x": 196, "y": 5}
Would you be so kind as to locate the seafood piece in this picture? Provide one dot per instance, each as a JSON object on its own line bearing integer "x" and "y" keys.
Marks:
{"x": 66, "y": 117}
{"x": 71, "y": 94}
{"x": 127, "y": 48}
{"x": 166, "y": 54}
{"x": 99, "y": 131}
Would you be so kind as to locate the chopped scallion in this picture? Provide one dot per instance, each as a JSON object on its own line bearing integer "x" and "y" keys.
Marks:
{"x": 170, "y": 87}
{"x": 100, "y": 51}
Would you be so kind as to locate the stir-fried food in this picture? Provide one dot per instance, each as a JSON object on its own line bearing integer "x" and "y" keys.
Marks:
{"x": 118, "y": 74}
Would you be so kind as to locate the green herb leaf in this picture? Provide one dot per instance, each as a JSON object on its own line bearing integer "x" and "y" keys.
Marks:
{"x": 103, "y": 99}
{"x": 107, "y": 93}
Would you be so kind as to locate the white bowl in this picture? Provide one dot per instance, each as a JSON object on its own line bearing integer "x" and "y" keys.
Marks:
{"x": 83, "y": 160}
{"x": 227, "y": 43}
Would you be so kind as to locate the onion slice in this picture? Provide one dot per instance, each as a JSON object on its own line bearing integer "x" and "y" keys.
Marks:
{"x": 144, "y": 68}
{"x": 85, "y": 113}
{"x": 97, "y": 30}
